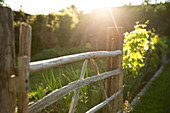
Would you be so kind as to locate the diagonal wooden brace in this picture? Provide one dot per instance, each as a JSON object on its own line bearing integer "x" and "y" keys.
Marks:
{"x": 100, "y": 83}
{"x": 76, "y": 92}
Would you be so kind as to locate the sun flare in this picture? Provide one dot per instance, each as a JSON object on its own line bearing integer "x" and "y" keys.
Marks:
{"x": 46, "y": 7}
{"x": 89, "y": 5}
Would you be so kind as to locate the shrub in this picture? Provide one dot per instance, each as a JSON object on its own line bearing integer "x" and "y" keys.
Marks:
{"x": 143, "y": 53}
{"x": 142, "y": 48}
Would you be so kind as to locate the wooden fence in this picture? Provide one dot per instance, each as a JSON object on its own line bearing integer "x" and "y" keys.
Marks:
{"x": 15, "y": 79}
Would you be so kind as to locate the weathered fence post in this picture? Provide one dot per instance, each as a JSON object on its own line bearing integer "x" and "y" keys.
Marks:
{"x": 114, "y": 84}
{"x": 7, "y": 61}
{"x": 24, "y": 51}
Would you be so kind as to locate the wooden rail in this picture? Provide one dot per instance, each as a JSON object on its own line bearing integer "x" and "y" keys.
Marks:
{"x": 45, "y": 64}
{"x": 13, "y": 81}
{"x": 100, "y": 83}
{"x": 97, "y": 107}
{"x": 58, "y": 93}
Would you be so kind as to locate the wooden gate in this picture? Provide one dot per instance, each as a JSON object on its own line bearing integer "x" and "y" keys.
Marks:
{"x": 15, "y": 79}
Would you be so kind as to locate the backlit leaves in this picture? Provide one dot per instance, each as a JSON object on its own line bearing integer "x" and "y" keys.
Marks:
{"x": 139, "y": 45}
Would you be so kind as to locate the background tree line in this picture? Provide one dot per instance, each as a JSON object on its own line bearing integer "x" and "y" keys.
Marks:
{"x": 71, "y": 28}
{"x": 49, "y": 31}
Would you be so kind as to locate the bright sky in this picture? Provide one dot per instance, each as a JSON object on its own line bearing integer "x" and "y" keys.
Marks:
{"x": 50, "y": 6}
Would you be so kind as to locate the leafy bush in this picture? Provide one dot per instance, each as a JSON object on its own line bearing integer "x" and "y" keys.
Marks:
{"x": 141, "y": 47}
{"x": 143, "y": 53}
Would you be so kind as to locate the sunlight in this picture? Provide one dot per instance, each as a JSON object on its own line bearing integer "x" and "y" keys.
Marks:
{"x": 111, "y": 14}
{"x": 44, "y": 7}
{"x": 89, "y": 5}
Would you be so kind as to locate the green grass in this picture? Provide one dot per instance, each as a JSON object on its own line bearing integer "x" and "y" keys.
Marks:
{"x": 157, "y": 97}
{"x": 44, "y": 82}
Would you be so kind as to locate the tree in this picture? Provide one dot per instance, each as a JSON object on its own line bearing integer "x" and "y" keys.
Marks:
{"x": 1, "y": 2}
{"x": 67, "y": 20}
{"x": 37, "y": 27}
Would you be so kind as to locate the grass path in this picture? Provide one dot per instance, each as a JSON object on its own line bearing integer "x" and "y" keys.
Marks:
{"x": 157, "y": 97}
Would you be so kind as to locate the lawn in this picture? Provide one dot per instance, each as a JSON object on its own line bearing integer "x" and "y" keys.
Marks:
{"x": 157, "y": 97}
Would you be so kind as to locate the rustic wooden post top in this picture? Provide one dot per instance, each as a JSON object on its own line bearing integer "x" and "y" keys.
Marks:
{"x": 24, "y": 50}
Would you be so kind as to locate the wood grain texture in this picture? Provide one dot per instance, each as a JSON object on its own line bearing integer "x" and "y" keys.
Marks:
{"x": 22, "y": 88}
{"x": 24, "y": 50}
{"x": 45, "y": 64}
{"x": 7, "y": 61}
{"x": 59, "y": 93}
{"x": 25, "y": 41}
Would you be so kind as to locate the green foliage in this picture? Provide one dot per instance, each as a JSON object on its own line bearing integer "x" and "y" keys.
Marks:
{"x": 71, "y": 12}
{"x": 140, "y": 48}
{"x": 67, "y": 21}
{"x": 70, "y": 27}
{"x": 49, "y": 80}
{"x": 143, "y": 50}
{"x": 20, "y": 16}
{"x": 49, "y": 30}
{"x": 143, "y": 53}
{"x": 57, "y": 78}
{"x": 158, "y": 15}
{"x": 1, "y": 2}
{"x": 37, "y": 29}
{"x": 64, "y": 31}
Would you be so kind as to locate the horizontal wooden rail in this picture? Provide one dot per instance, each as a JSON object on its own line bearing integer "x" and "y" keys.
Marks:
{"x": 97, "y": 107}
{"x": 45, "y": 64}
{"x": 59, "y": 93}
